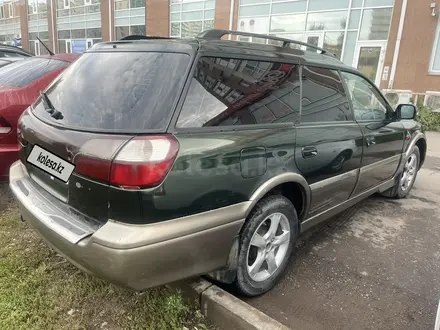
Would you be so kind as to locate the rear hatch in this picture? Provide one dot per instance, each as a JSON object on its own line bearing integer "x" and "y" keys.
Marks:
{"x": 102, "y": 124}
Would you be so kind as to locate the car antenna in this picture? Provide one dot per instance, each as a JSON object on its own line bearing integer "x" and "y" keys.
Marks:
{"x": 50, "y": 52}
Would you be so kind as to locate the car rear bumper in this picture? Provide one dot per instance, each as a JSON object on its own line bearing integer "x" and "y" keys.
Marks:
{"x": 137, "y": 256}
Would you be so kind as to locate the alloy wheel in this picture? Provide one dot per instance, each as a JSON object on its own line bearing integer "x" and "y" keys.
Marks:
{"x": 268, "y": 247}
{"x": 409, "y": 172}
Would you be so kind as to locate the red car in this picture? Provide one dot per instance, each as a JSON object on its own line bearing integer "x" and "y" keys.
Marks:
{"x": 20, "y": 85}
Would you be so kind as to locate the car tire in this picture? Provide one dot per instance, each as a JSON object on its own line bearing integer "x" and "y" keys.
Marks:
{"x": 266, "y": 243}
{"x": 406, "y": 179}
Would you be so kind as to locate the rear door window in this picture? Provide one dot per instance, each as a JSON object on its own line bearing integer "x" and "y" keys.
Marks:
{"x": 323, "y": 96}
{"x": 120, "y": 91}
{"x": 230, "y": 92}
{"x": 25, "y": 72}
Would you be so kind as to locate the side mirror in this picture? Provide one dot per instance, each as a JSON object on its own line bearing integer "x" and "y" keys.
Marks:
{"x": 406, "y": 111}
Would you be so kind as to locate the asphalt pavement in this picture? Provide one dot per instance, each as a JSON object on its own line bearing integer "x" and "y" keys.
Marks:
{"x": 375, "y": 266}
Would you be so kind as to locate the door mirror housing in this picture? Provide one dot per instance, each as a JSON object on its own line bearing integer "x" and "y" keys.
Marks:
{"x": 406, "y": 111}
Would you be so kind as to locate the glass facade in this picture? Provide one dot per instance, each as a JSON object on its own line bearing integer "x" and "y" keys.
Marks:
{"x": 337, "y": 25}
{"x": 78, "y": 24}
{"x": 356, "y": 31}
{"x": 10, "y": 28}
{"x": 38, "y": 26}
{"x": 188, "y": 17}
{"x": 129, "y": 18}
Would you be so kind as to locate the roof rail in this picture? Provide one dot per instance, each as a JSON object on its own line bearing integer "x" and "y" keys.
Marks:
{"x": 142, "y": 37}
{"x": 218, "y": 34}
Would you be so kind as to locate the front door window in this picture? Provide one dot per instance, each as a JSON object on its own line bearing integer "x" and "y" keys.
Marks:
{"x": 366, "y": 100}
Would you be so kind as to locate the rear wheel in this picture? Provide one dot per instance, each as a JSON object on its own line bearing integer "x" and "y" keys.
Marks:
{"x": 266, "y": 243}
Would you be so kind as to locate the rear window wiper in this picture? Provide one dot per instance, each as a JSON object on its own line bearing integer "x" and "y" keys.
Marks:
{"x": 49, "y": 106}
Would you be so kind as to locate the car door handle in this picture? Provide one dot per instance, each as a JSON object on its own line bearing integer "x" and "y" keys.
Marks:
{"x": 309, "y": 152}
{"x": 370, "y": 141}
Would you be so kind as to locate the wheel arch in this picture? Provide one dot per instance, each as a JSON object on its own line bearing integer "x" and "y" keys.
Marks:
{"x": 281, "y": 184}
{"x": 415, "y": 138}
{"x": 421, "y": 143}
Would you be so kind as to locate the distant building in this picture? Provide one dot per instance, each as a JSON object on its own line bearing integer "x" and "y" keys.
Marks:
{"x": 10, "y": 27}
{"x": 394, "y": 42}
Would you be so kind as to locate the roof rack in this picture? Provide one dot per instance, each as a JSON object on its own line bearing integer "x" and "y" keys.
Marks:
{"x": 218, "y": 34}
{"x": 142, "y": 37}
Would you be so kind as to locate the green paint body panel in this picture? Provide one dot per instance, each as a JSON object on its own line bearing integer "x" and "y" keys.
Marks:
{"x": 208, "y": 172}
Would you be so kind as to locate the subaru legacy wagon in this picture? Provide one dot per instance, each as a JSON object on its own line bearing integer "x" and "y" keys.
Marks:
{"x": 149, "y": 161}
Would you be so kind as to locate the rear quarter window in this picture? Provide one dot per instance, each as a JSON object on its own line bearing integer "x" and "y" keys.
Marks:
{"x": 231, "y": 92}
{"x": 25, "y": 72}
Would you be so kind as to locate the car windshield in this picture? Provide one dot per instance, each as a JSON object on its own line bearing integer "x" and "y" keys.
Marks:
{"x": 24, "y": 72}
{"x": 127, "y": 92}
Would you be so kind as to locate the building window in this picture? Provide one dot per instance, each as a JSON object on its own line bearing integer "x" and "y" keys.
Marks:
{"x": 189, "y": 18}
{"x": 334, "y": 20}
{"x": 78, "y": 40}
{"x": 37, "y": 10}
{"x": 333, "y": 42}
{"x": 78, "y": 24}
{"x": 435, "y": 58}
{"x": 375, "y": 24}
{"x": 10, "y": 28}
{"x": 129, "y": 18}
{"x": 122, "y": 31}
{"x": 77, "y": 7}
{"x": 323, "y": 23}
{"x": 38, "y": 26}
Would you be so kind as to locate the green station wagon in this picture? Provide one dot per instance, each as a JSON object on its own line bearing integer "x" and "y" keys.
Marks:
{"x": 149, "y": 161}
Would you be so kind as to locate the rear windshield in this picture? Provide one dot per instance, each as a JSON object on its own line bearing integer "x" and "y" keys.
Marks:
{"x": 126, "y": 92}
{"x": 25, "y": 72}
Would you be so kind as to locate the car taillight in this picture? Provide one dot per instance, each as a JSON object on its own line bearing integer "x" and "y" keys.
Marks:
{"x": 5, "y": 127}
{"x": 142, "y": 162}
{"x": 93, "y": 167}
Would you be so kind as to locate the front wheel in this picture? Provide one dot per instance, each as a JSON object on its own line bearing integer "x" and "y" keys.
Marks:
{"x": 408, "y": 176}
{"x": 266, "y": 243}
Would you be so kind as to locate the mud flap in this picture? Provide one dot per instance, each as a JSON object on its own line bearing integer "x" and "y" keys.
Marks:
{"x": 229, "y": 272}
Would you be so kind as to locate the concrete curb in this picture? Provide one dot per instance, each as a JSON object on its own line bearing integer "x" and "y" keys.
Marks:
{"x": 223, "y": 309}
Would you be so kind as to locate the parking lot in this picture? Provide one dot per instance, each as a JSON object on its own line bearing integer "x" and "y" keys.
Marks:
{"x": 376, "y": 266}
